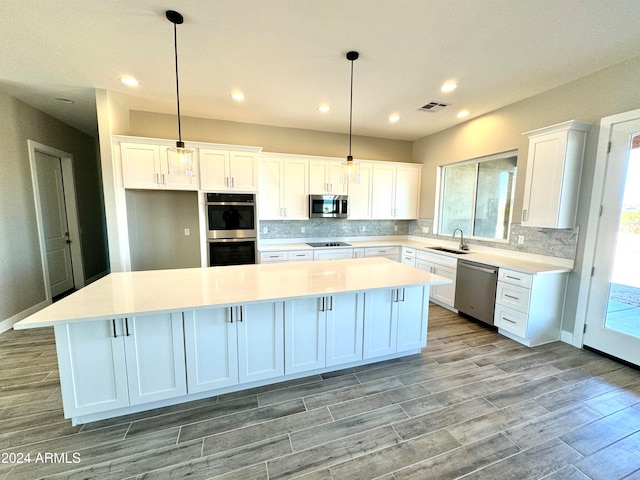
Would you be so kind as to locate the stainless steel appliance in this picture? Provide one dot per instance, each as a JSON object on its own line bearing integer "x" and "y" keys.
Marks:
{"x": 231, "y": 228}
{"x": 328, "y": 206}
{"x": 476, "y": 290}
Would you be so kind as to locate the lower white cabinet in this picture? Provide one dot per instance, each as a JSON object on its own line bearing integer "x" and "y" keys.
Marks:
{"x": 332, "y": 253}
{"x": 392, "y": 253}
{"x": 529, "y": 307}
{"x": 110, "y": 364}
{"x": 444, "y": 266}
{"x": 323, "y": 331}
{"x": 408, "y": 256}
{"x": 395, "y": 321}
{"x": 230, "y": 345}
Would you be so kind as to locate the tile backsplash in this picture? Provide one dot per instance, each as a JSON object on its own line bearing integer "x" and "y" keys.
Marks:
{"x": 543, "y": 241}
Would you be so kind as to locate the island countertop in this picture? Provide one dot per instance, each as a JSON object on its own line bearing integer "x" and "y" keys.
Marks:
{"x": 133, "y": 293}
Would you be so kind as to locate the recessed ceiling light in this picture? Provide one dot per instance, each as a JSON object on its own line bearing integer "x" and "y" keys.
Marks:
{"x": 463, "y": 113}
{"x": 64, "y": 100}
{"x": 448, "y": 87}
{"x": 129, "y": 81}
{"x": 324, "y": 108}
{"x": 239, "y": 96}
{"x": 394, "y": 117}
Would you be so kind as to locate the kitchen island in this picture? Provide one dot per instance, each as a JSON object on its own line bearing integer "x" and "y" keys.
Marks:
{"x": 134, "y": 341}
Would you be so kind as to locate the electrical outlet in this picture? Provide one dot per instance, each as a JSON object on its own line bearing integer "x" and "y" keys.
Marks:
{"x": 425, "y": 229}
{"x": 520, "y": 239}
{"x": 187, "y": 232}
{"x": 363, "y": 228}
{"x": 265, "y": 230}
{"x": 395, "y": 228}
{"x": 301, "y": 229}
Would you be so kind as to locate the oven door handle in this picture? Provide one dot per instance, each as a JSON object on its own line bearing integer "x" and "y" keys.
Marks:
{"x": 230, "y": 240}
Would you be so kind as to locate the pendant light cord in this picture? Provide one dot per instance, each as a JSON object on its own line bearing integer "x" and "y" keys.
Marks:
{"x": 175, "y": 50}
{"x": 351, "y": 109}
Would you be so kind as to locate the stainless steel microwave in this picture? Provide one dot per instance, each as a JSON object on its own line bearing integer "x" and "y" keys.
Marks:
{"x": 328, "y": 206}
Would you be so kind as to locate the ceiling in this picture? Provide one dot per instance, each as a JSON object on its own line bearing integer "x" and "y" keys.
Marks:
{"x": 288, "y": 57}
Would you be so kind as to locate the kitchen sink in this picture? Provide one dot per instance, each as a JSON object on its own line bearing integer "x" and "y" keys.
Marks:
{"x": 449, "y": 250}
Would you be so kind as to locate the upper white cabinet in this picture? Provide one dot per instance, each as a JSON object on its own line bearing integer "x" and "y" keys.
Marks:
{"x": 554, "y": 166}
{"x": 228, "y": 170}
{"x": 360, "y": 194}
{"x": 144, "y": 166}
{"x": 284, "y": 192}
{"x": 325, "y": 176}
{"x": 395, "y": 191}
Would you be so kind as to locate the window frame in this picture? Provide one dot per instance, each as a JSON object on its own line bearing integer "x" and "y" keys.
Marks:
{"x": 440, "y": 190}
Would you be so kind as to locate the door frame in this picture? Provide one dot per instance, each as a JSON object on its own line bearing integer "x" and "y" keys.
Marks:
{"x": 593, "y": 222}
{"x": 66, "y": 161}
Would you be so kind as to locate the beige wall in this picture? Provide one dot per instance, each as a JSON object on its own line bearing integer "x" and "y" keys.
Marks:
{"x": 157, "y": 220}
{"x": 271, "y": 139}
{"x": 21, "y": 276}
{"x": 607, "y": 92}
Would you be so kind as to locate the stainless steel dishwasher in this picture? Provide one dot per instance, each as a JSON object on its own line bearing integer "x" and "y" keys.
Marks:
{"x": 476, "y": 290}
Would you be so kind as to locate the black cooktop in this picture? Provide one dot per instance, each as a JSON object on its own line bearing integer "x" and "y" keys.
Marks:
{"x": 328, "y": 244}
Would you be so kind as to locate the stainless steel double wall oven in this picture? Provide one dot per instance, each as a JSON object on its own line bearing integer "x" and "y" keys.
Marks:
{"x": 231, "y": 228}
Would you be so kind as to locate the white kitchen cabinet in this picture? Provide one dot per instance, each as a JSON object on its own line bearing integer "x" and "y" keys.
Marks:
{"x": 408, "y": 256}
{"x": 284, "y": 189}
{"x": 144, "y": 166}
{"x": 93, "y": 370}
{"x": 396, "y": 191}
{"x": 211, "y": 348}
{"x": 286, "y": 256}
{"x": 228, "y": 170}
{"x": 332, "y": 253}
{"x": 358, "y": 252}
{"x": 154, "y": 347}
{"x": 260, "y": 341}
{"x": 395, "y": 320}
{"x": 305, "y": 325}
{"x": 360, "y": 194}
{"x": 227, "y": 346}
{"x": 444, "y": 266}
{"x": 323, "y": 331}
{"x": 105, "y": 365}
{"x": 325, "y": 177}
{"x": 554, "y": 166}
{"x": 392, "y": 253}
{"x": 529, "y": 307}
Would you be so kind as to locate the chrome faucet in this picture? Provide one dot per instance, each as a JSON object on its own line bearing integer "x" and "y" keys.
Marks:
{"x": 463, "y": 245}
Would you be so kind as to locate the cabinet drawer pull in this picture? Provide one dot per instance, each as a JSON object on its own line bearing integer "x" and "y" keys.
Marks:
{"x": 115, "y": 335}
{"x": 241, "y": 314}
{"x": 402, "y": 295}
{"x": 511, "y": 296}
{"x": 322, "y": 304}
{"x": 513, "y": 278}
{"x": 231, "y": 315}
{"x": 126, "y": 327}
{"x": 233, "y": 182}
{"x": 508, "y": 320}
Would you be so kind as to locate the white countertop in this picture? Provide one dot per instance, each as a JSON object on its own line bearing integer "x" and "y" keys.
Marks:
{"x": 128, "y": 293}
{"x": 525, "y": 263}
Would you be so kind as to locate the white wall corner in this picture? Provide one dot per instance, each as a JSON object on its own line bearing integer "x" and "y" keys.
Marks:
{"x": 10, "y": 322}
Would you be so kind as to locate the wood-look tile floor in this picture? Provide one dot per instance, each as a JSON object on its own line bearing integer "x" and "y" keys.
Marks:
{"x": 473, "y": 405}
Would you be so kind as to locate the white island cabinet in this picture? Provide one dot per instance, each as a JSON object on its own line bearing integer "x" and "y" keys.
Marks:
{"x": 124, "y": 340}
{"x": 120, "y": 362}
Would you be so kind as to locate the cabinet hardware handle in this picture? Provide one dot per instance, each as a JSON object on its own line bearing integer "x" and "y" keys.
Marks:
{"x": 233, "y": 182}
{"x": 508, "y": 320}
{"x": 226, "y": 181}
{"x": 126, "y": 327}
{"x": 163, "y": 180}
{"x": 525, "y": 215}
{"x": 241, "y": 318}
{"x": 322, "y": 304}
{"x": 115, "y": 335}
{"x": 231, "y": 314}
{"x": 331, "y": 304}
{"x": 511, "y": 296}
{"x": 402, "y": 295}
{"x": 513, "y": 278}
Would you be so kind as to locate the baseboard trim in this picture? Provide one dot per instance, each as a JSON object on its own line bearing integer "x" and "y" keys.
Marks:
{"x": 566, "y": 337}
{"x": 9, "y": 322}
{"x": 96, "y": 277}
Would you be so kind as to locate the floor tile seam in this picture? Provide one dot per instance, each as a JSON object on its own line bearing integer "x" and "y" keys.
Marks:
{"x": 535, "y": 380}
{"x": 400, "y": 385}
{"x": 304, "y": 395}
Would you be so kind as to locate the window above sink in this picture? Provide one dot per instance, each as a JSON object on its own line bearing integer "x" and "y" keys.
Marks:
{"x": 477, "y": 196}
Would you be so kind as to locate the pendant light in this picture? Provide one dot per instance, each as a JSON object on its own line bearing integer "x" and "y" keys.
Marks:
{"x": 351, "y": 169}
{"x": 179, "y": 158}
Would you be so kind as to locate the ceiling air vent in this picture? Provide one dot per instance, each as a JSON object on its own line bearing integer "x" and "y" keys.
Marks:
{"x": 433, "y": 107}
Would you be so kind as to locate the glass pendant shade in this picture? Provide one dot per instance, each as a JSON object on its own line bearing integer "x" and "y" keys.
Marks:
{"x": 350, "y": 171}
{"x": 180, "y": 160}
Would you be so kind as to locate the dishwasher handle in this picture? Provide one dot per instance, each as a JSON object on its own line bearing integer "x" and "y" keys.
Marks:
{"x": 474, "y": 266}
